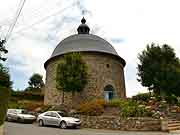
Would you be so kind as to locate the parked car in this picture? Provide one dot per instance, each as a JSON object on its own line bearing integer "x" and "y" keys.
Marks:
{"x": 58, "y": 118}
{"x": 19, "y": 115}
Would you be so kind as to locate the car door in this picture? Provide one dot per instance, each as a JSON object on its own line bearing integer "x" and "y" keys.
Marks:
{"x": 12, "y": 115}
{"x": 47, "y": 118}
{"x": 55, "y": 119}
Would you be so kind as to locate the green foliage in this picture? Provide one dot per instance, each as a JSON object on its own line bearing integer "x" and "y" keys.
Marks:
{"x": 91, "y": 108}
{"x": 116, "y": 103}
{"x": 4, "y": 77}
{"x": 159, "y": 69}
{"x": 4, "y": 97}
{"x": 36, "y": 81}
{"x": 5, "y": 86}
{"x": 45, "y": 108}
{"x": 71, "y": 73}
{"x": 129, "y": 108}
{"x": 29, "y": 105}
{"x": 29, "y": 100}
{"x": 2, "y": 49}
{"x": 132, "y": 109}
{"x": 171, "y": 99}
{"x": 21, "y": 95}
{"x": 34, "y": 90}
{"x": 142, "y": 97}
{"x": 158, "y": 98}
{"x": 14, "y": 104}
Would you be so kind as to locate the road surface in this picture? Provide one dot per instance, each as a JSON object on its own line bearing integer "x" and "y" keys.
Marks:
{"x": 34, "y": 129}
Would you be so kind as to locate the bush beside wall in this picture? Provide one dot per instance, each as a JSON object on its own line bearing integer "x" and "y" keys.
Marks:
{"x": 18, "y": 95}
{"x": 4, "y": 97}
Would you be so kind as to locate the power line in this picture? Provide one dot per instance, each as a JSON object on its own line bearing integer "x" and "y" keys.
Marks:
{"x": 75, "y": 3}
{"x": 20, "y": 7}
{"x": 36, "y": 12}
{"x": 45, "y": 18}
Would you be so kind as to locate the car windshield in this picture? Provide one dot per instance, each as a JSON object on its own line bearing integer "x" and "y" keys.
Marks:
{"x": 18, "y": 111}
{"x": 62, "y": 114}
{"x": 24, "y": 112}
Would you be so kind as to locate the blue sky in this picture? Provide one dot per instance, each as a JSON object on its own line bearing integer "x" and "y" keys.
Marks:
{"x": 127, "y": 24}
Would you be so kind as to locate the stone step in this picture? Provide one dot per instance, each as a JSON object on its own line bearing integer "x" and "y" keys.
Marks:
{"x": 174, "y": 128}
{"x": 171, "y": 119}
{"x": 175, "y": 132}
{"x": 173, "y": 124}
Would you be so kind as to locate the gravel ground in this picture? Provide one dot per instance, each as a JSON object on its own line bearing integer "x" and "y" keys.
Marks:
{"x": 34, "y": 129}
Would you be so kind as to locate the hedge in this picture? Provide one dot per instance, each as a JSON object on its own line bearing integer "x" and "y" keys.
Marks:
{"x": 4, "y": 97}
{"x": 27, "y": 96}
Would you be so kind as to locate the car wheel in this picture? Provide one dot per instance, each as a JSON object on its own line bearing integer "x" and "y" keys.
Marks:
{"x": 41, "y": 123}
{"x": 77, "y": 127}
{"x": 20, "y": 120}
{"x": 7, "y": 119}
{"x": 63, "y": 125}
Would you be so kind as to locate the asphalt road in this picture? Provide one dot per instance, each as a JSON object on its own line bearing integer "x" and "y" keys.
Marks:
{"x": 34, "y": 129}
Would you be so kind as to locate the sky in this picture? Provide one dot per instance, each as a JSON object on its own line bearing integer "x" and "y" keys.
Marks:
{"x": 129, "y": 25}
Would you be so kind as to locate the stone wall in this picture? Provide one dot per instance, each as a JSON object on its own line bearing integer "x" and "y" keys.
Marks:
{"x": 117, "y": 123}
{"x": 103, "y": 69}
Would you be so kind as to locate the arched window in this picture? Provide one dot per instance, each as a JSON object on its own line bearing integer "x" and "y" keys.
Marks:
{"x": 108, "y": 92}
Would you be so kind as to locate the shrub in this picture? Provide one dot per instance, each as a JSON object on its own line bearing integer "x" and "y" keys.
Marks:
{"x": 4, "y": 77}
{"x": 61, "y": 107}
{"x": 45, "y": 108}
{"x": 92, "y": 108}
{"x": 129, "y": 108}
{"x": 171, "y": 99}
{"x": 27, "y": 95}
{"x": 5, "y": 85}
{"x": 132, "y": 109}
{"x": 13, "y": 104}
{"x": 142, "y": 97}
{"x": 116, "y": 103}
{"x": 30, "y": 106}
{"x": 4, "y": 97}
{"x": 178, "y": 103}
{"x": 25, "y": 104}
{"x": 158, "y": 98}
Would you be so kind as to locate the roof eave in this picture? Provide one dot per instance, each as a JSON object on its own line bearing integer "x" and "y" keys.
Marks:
{"x": 117, "y": 56}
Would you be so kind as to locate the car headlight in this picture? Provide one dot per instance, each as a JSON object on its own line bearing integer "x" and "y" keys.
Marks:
{"x": 70, "y": 121}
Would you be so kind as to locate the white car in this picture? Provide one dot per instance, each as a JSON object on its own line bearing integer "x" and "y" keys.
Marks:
{"x": 58, "y": 118}
{"x": 19, "y": 115}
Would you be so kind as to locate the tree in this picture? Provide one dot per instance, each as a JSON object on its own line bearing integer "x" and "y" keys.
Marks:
{"x": 5, "y": 88}
{"x": 4, "y": 77}
{"x": 159, "y": 69}
{"x": 5, "y": 85}
{"x": 71, "y": 74}
{"x": 36, "y": 81}
{"x": 2, "y": 49}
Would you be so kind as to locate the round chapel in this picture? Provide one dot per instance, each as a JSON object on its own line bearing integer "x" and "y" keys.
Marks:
{"x": 104, "y": 66}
